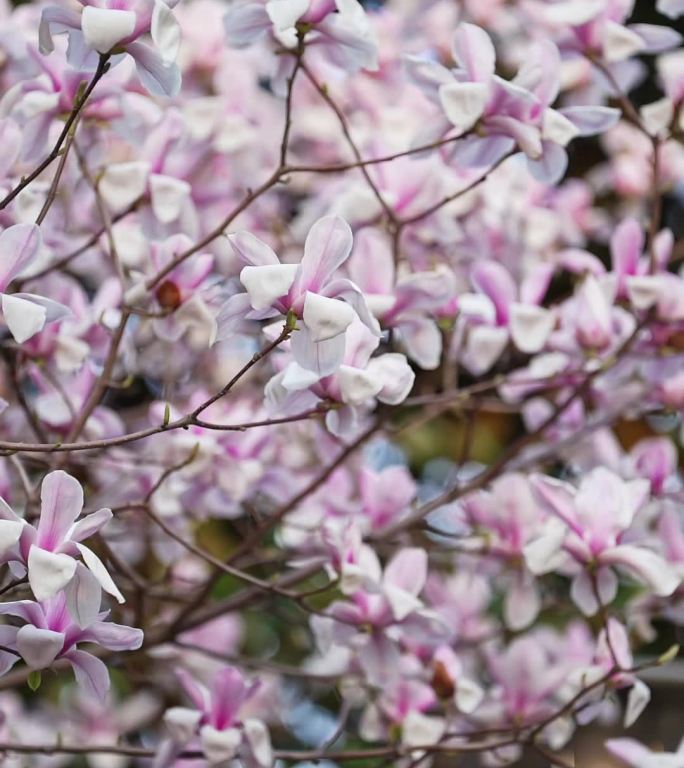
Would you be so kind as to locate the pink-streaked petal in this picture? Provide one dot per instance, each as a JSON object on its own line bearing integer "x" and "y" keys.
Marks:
{"x": 39, "y": 647}
{"x": 165, "y": 31}
{"x": 89, "y": 525}
{"x": 100, "y": 572}
{"x": 251, "y": 250}
{"x": 326, "y": 248}
{"x": 61, "y": 503}
{"x": 91, "y": 674}
{"x": 159, "y": 78}
{"x": 83, "y": 596}
{"x": 473, "y": 50}
{"x": 647, "y": 566}
{"x": 19, "y": 245}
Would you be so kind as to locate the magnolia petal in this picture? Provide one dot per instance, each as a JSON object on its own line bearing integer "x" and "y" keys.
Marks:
{"x": 474, "y": 51}
{"x": 356, "y": 385}
{"x": 122, "y": 184}
{"x": 19, "y": 245}
{"x": 83, "y": 595}
{"x": 114, "y": 637}
{"x": 551, "y": 166}
{"x": 39, "y": 647}
{"x": 24, "y": 318}
{"x": 631, "y": 752}
{"x": 591, "y": 120}
{"x": 259, "y": 740}
{"x": 61, "y": 19}
{"x": 468, "y": 695}
{"x": 407, "y": 570}
{"x": 266, "y": 284}
{"x": 91, "y": 674}
{"x": 522, "y": 604}
{"x": 284, "y": 14}
{"x": 103, "y": 28}
{"x": 463, "y": 103}
{"x": 396, "y": 375}
{"x": 10, "y": 533}
{"x": 639, "y": 696}
{"x": 296, "y": 378}
{"x": 165, "y": 31}
{"x": 158, "y": 77}
{"x": 643, "y": 290}
{"x": 326, "y": 318}
{"x": 530, "y": 327}
{"x": 670, "y": 8}
{"x": 647, "y": 566}
{"x": 61, "y": 502}
{"x": 541, "y": 555}
{"x": 182, "y": 723}
{"x": 657, "y": 116}
{"x": 168, "y": 194}
{"x": 558, "y": 128}
{"x": 619, "y": 42}
{"x": 49, "y": 572}
{"x": 484, "y": 346}
{"x": 251, "y": 250}
{"x": 323, "y": 357}
{"x": 89, "y": 525}
{"x": 327, "y": 247}
{"x": 419, "y": 730}
{"x": 245, "y": 24}
{"x": 219, "y": 746}
{"x": 583, "y": 591}
{"x": 100, "y": 572}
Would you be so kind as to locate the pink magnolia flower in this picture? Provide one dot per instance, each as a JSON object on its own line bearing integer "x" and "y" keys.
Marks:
{"x": 34, "y": 103}
{"x": 24, "y": 313}
{"x": 309, "y": 290}
{"x": 216, "y": 720}
{"x": 357, "y": 380}
{"x": 597, "y": 542}
{"x": 509, "y": 517}
{"x": 49, "y": 551}
{"x": 109, "y": 28}
{"x": 404, "y": 303}
{"x": 500, "y": 311}
{"x": 49, "y": 633}
{"x": 496, "y": 116}
{"x": 337, "y": 30}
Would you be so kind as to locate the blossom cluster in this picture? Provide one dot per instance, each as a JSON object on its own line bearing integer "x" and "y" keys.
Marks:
{"x": 341, "y": 379}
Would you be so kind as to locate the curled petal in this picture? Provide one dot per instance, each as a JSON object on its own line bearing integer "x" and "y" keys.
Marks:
{"x": 103, "y": 28}
{"x": 39, "y": 647}
{"x": 326, "y": 318}
{"x": 266, "y": 284}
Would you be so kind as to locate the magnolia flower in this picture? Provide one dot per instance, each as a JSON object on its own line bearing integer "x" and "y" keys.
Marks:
{"x": 338, "y": 30}
{"x": 110, "y": 28}
{"x": 496, "y": 116}
{"x": 179, "y": 295}
{"x": 24, "y": 313}
{"x": 49, "y": 551}
{"x": 497, "y": 313}
{"x": 590, "y": 526}
{"x": 325, "y": 305}
{"x": 49, "y": 633}
{"x": 357, "y": 381}
{"x": 216, "y": 720}
{"x": 404, "y": 303}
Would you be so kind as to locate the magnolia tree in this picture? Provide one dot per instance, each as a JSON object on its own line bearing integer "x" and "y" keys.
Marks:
{"x": 248, "y": 252}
